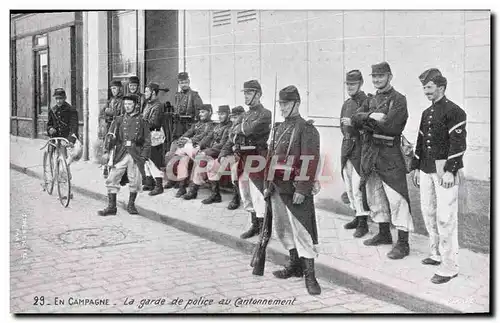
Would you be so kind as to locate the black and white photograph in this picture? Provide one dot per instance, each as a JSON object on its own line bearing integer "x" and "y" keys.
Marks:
{"x": 257, "y": 161}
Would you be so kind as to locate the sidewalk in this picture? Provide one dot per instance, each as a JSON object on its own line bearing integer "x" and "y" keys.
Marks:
{"x": 343, "y": 259}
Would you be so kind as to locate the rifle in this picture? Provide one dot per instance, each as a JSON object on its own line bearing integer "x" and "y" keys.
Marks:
{"x": 259, "y": 255}
{"x": 110, "y": 136}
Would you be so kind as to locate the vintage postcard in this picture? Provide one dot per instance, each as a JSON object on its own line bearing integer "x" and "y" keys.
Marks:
{"x": 250, "y": 161}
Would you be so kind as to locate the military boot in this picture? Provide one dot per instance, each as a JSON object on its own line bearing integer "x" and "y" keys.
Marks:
{"x": 362, "y": 227}
{"x": 312, "y": 285}
{"x": 111, "y": 208}
{"x": 182, "y": 189}
{"x": 402, "y": 247}
{"x": 169, "y": 185}
{"x": 352, "y": 225}
{"x": 148, "y": 183}
{"x": 158, "y": 187}
{"x": 215, "y": 196}
{"x": 255, "y": 228}
{"x": 382, "y": 237}
{"x": 192, "y": 192}
{"x": 292, "y": 269}
{"x": 235, "y": 202}
{"x": 131, "y": 203}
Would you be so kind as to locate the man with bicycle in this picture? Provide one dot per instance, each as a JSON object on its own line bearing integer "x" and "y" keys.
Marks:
{"x": 63, "y": 120}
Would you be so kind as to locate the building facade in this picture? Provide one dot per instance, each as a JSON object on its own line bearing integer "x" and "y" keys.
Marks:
{"x": 310, "y": 49}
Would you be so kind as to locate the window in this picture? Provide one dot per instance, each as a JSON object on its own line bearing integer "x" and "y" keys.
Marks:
{"x": 42, "y": 82}
{"x": 123, "y": 45}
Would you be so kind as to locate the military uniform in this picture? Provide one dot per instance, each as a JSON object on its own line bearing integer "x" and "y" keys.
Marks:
{"x": 187, "y": 104}
{"x": 153, "y": 115}
{"x": 132, "y": 143}
{"x": 64, "y": 120}
{"x": 142, "y": 100}
{"x": 383, "y": 167}
{"x": 112, "y": 109}
{"x": 440, "y": 147}
{"x": 210, "y": 146}
{"x": 188, "y": 151}
{"x": 295, "y": 223}
{"x": 351, "y": 157}
{"x": 253, "y": 131}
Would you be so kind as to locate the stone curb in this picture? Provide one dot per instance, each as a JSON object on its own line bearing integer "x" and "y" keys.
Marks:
{"x": 340, "y": 276}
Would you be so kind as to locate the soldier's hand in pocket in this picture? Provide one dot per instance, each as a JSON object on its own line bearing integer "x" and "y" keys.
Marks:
{"x": 298, "y": 198}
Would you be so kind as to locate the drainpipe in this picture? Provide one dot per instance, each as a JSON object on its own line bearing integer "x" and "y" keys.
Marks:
{"x": 86, "y": 87}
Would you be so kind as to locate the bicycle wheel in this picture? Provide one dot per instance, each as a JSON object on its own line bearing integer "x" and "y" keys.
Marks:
{"x": 48, "y": 172}
{"x": 63, "y": 181}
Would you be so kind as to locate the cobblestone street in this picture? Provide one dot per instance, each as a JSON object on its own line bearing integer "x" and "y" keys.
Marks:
{"x": 72, "y": 254}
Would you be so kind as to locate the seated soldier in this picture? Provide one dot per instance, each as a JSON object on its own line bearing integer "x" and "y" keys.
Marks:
{"x": 227, "y": 151}
{"x": 186, "y": 148}
{"x": 210, "y": 148}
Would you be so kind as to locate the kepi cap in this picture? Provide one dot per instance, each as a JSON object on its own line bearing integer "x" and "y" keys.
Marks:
{"x": 354, "y": 76}
{"x": 237, "y": 110}
{"x": 183, "y": 76}
{"x": 289, "y": 93}
{"x": 133, "y": 80}
{"x": 252, "y": 85}
{"x": 115, "y": 83}
{"x": 59, "y": 92}
{"x": 224, "y": 109}
{"x": 381, "y": 68}
{"x": 206, "y": 107}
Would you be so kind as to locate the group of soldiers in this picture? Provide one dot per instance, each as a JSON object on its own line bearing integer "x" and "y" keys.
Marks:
{"x": 374, "y": 168}
{"x": 193, "y": 149}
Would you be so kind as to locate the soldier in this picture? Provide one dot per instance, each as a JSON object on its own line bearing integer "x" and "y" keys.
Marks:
{"x": 210, "y": 147}
{"x": 187, "y": 104}
{"x": 113, "y": 108}
{"x": 253, "y": 132}
{"x": 132, "y": 144}
{"x": 438, "y": 157}
{"x": 153, "y": 115}
{"x": 292, "y": 200}
{"x": 382, "y": 164}
{"x": 351, "y": 153}
{"x": 133, "y": 88}
{"x": 227, "y": 150}
{"x": 187, "y": 146}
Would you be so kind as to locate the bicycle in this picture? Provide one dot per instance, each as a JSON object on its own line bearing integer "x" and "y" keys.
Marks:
{"x": 61, "y": 171}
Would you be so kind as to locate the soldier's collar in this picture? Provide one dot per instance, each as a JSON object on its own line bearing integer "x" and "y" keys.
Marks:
{"x": 389, "y": 89}
{"x": 255, "y": 107}
{"x": 133, "y": 114}
{"x": 357, "y": 95}
{"x": 440, "y": 101}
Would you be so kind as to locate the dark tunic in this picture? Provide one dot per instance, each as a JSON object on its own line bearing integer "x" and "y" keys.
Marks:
{"x": 113, "y": 108}
{"x": 254, "y": 130}
{"x": 351, "y": 143}
{"x": 296, "y": 137}
{"x": 381, "y": 149}
{"x": 442, "y": 135}
{"x": 153, "y": 115}
{"x": 65, "y": 120}
{"x": 186, "y": 107}
{"x": 213, "y": 143}
{"x": 135, "y": 130}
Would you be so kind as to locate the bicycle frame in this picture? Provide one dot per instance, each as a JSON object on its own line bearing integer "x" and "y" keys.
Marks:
{"x": 54, "y": 161}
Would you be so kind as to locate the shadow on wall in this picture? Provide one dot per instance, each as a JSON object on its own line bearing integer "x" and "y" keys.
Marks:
{"x": 473, "y": 215}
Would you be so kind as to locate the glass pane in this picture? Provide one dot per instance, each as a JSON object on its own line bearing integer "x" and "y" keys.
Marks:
{"x": 43, "y": 82}
{"x": 124, "y": 43}
{"x": 41, "y": 40}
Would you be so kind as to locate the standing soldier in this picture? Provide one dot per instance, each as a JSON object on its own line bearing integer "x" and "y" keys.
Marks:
{"x": 113, "y": 108}
{"x": 133, "y": 88}
{"x": 153, "y": 115}
{"x": 131, "y": 141}
{"x": 210, "y": 146}
{"x": 351, "y": 153}
{"x": 382, "y": 166}
{"x": 253, "y": 131}
{"x": 438, "y": 157}
{"x": 292, "y": 200}
{"x": 187, "y": 104}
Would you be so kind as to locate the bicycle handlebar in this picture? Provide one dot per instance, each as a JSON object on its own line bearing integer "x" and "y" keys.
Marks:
{"x": 55, "y": 139}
